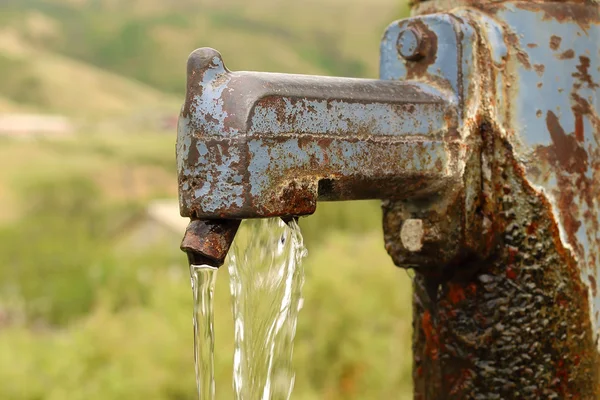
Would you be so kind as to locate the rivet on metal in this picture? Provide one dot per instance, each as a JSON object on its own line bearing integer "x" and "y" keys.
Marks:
{"x": 410, "y": 44}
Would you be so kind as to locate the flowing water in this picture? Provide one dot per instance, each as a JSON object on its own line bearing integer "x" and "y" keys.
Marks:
{"x": 266, "y": 281}
{"x": 203, "y": 287}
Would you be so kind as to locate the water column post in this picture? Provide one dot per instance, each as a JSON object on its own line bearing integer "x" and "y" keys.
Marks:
{"x": 520, "y": 319}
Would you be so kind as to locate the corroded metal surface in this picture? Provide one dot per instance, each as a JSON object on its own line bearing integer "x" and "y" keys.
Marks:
{"x": 483, "y": 139}
{"x": 457, "y": 222}
{"x": 518, "y": 326}
{"x": 261, "y": 145}
{"x": 552, "y": 119}
{"x": 208, "y": 241}
{"x": 522, "y": 322}
{"x": 557, "y": 10}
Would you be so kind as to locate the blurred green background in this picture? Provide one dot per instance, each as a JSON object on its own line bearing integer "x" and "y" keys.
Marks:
{"x": 95, "y": 299}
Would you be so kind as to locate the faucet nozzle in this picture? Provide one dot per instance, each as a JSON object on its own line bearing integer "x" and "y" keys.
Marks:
{"x": 207, "y": 242}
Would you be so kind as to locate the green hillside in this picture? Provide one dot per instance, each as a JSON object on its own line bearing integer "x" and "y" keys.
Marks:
{"x": 86, "y": 313}
{"x": 35, "y": 79}
{"x": 110, "y": 56}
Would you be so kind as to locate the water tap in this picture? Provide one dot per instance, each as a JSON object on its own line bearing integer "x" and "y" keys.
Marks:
{"x": 258, "y": 145}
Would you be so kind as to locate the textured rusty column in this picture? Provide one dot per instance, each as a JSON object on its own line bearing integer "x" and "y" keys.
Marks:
{"x": 520, "y": 322}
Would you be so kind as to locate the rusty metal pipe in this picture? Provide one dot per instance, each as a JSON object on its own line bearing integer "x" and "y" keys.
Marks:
{"x": 255, "y": 145}
{"x": 523, "y": 322}
{"x": 207, "y": 242}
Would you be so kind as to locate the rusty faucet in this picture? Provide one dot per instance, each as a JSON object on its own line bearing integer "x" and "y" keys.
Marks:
{"x": 482, "y": 138}
{"x": 257, "y": 145}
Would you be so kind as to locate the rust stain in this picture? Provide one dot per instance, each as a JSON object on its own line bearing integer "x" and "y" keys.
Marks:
{"x": 539, "y": 69}
{"x": 532, "y": 227}
{"x": 568, "y": 158}
{"x": 556, "y": 10}
{"x": 579, "y": 134}
{"x": 530, "y": 309}
{"x": 583, "y": 74}
{"x": 562, "y": 11}
{"x": 511, "y": 273}
{"x": 431, "y": 338}
{"x": 456, "y": 294}
{"x": 587, "y": 185}
{"x": 555, "y": 42}
{"x": 565, "y": 151}
{"x": 566, "y": 55}
{"x": 193, "y": 155}
{"x": 593, "y": 284}
{"x": 577, "y": 11}
{"x": 513, "y": 41}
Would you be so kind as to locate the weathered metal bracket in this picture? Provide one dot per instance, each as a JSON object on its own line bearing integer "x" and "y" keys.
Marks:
{"x": 454, "y": 225}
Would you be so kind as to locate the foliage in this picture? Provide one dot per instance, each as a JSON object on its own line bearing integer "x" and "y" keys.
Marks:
{"x": 19, "y": 83}
{"x": 53, "y": 258}
{"x": 148, "y": 41}
{"x": 85, "y": 316}
{"x": 92, "y": 322}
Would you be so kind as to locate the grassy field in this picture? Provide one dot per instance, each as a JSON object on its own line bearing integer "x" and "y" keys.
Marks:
{"x": 103, "y": 58}
{"x": 86, "y": 315}
{"x": 82, "y": 318}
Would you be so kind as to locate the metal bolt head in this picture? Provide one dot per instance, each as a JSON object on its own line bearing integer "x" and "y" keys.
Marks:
{"x": 410, "y": 44}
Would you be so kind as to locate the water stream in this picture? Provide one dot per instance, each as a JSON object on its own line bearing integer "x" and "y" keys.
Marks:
{"x": 203, "y": 287}
{"x": 266, "y": 278}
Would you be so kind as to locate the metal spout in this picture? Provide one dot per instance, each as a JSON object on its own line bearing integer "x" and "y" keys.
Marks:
{"x": 207, "y": 242}
{"x": 257, "y": 145}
